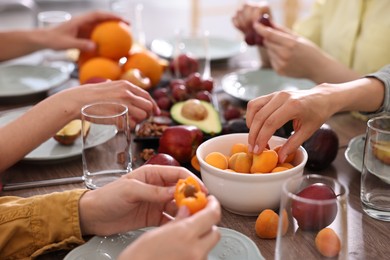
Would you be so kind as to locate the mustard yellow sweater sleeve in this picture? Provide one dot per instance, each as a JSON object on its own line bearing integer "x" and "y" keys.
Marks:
{"x": 32, "y": 226}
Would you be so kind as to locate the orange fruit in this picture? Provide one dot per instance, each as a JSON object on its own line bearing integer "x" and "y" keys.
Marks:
{"x": 267, "y": 222}
{"x": 113, "y": 39}
{"x": 195, "y": 163}
{"x": 101, "y": 68}
{"x": 148, "y": 63}
{"x": 217, "y": 160}
{"x": 328, "y": 243}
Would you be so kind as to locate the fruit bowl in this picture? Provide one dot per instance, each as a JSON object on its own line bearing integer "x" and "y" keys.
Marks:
{"x": 245, "y": 194}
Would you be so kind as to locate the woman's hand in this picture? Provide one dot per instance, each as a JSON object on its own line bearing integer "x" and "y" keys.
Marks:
{"x": 308, "y": 109}
{"x": 186, "y": 237}
{"x": 139, "y": 199}
{"x": 76, "y": 32}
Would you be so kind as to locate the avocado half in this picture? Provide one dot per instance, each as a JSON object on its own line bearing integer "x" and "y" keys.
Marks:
{"x": 209, "y": 125}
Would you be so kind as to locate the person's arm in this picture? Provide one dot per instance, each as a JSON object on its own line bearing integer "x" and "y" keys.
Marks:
{"x": 46, "y": 118}
{"x": 71, "y": 34}
{"x": 309, "y": 109}
{"x": 32, "y": 226}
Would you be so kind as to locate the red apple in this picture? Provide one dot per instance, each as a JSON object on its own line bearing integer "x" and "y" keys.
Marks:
{"x": 183, "y": 65}
{"x": 315, "y": 216}
{"x": 136, "y": 77}
{"x": 180, "y": 142}
{"x": 162, "y": 159}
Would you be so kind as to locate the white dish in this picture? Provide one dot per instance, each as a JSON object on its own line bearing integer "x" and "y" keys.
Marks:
{"x": 50, "y": 150}
{"x": 247, "y": 85}
{"x": 219, "y": 48}
{"x": 19, "y": 80}
{"x": 232, "y": 245}
{"x": 354, "y": 153}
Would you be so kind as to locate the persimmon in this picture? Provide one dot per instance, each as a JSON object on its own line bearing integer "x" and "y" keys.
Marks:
{"x": 267, "y": 224}
{"x": 188, "y": 193}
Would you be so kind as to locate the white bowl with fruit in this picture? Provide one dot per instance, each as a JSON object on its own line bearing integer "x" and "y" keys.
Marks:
{"x": 245, "y": 193}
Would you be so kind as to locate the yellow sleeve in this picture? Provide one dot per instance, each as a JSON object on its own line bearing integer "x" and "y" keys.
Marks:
{"x": 310, "y": 27}
{"x": 32, "y": 226}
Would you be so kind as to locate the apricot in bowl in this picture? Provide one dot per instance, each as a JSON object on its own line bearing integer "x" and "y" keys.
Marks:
{"x": 245, "y": 193}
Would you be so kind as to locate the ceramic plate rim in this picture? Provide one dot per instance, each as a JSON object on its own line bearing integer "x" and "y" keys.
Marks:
{"x": 62, "y": 77}
{"x": 66, "y": 152}
{"x": 351, "y": 150}
{"x": 230, "y": 52}
{"x": 228, "y": 85}
{"x": 225, "y": 232}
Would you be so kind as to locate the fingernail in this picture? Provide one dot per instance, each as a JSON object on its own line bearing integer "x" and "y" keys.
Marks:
{"x": 256, "y": 149}
{"x": 91, "y": 46}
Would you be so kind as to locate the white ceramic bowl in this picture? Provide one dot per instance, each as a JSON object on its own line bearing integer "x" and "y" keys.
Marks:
{"x": 245, "y": 194}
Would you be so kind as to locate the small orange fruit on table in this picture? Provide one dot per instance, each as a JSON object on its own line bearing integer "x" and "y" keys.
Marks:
{"x": 189, "y": 194}
{"x": 267, "y": 224}
{"x": 327, "y": 242}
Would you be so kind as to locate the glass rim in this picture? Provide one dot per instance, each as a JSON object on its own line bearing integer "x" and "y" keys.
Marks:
{"x": 124, "y": 110}
{"x": 295, "y": 197}
{"x": 371, "y": 121}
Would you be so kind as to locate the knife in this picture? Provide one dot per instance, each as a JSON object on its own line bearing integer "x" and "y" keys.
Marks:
{"x": 43, "y": 183}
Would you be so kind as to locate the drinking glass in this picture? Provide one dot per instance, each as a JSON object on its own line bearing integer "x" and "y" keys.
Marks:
{"x": 53, "y": 58}
{"x": 317, "y": 227}
{"x": 375, "y": 179}
{"x": 106, "y": 149}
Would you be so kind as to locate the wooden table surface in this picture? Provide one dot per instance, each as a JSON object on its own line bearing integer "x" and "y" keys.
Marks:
{"x": 368, "y": 238}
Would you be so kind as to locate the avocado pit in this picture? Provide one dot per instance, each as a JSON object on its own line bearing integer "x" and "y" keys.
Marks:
{"x": 193, "y": 109}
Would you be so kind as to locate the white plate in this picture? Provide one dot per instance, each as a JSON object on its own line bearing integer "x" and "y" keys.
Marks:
{"x": 354, "y": 152}
{"x": 19, "y": 80}
{"x": 247, "y": 85}
{"x": 232, "y": 246}
{"x": 52, "y": 150}
{"x": 219, "y": 48}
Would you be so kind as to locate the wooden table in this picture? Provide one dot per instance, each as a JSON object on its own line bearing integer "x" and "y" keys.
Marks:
{"x": 368, "y": 238}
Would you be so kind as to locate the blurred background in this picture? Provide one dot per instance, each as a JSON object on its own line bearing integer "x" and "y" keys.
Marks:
{"x": 160, "y": 18}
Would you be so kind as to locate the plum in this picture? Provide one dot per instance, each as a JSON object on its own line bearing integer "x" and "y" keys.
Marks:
{"x": 322, "y": 148}
{"x": 315, "y": 216}
{"x": 162, "y": 159}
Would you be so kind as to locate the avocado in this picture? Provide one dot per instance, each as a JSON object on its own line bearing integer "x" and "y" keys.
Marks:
{"x": 201, "y": 114}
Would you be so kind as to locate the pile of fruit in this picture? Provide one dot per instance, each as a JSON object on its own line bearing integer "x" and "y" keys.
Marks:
{"x": 116, "y": 57}
{"x": 241, "y": 161}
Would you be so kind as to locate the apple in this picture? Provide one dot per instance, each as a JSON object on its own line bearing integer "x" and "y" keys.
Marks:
{"x": 183, "y": 65}
{"x": 136, "y": 77}
{"x": 312, "y": 216}
{"x": 180, "y": 142}
{"x": 70, "y": 132}
{"x": 162, "y": 159}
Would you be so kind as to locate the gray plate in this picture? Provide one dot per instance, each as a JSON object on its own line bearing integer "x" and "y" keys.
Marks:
{"x": 232, "y": 246}
{"x": 219, "y": 48}
{"x": 247, "y": 85}
{"x": 21, "y": 80}
{"x": 354, "y": 152}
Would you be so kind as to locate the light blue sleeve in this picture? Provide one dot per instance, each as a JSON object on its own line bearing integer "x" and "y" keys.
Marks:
{"x": 384, "y": 76}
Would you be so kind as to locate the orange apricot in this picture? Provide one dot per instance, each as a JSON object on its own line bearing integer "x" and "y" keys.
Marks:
{"x": 217, "y": 160}
{"x": 264, "y": 162}
{"x": 195, "y": 163}
{"x": 279, "y": 169}
{"x": 285, "y": 165}
{"x": 240, "y": 162}
{"x": 327, "y": 242}
{"x": 238, "y": 148}
{"x": 267, "y": 224}
{"x": 289, "y": 158}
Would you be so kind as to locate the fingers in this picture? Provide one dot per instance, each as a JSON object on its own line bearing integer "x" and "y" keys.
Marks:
{"x": 210, "y": 239}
